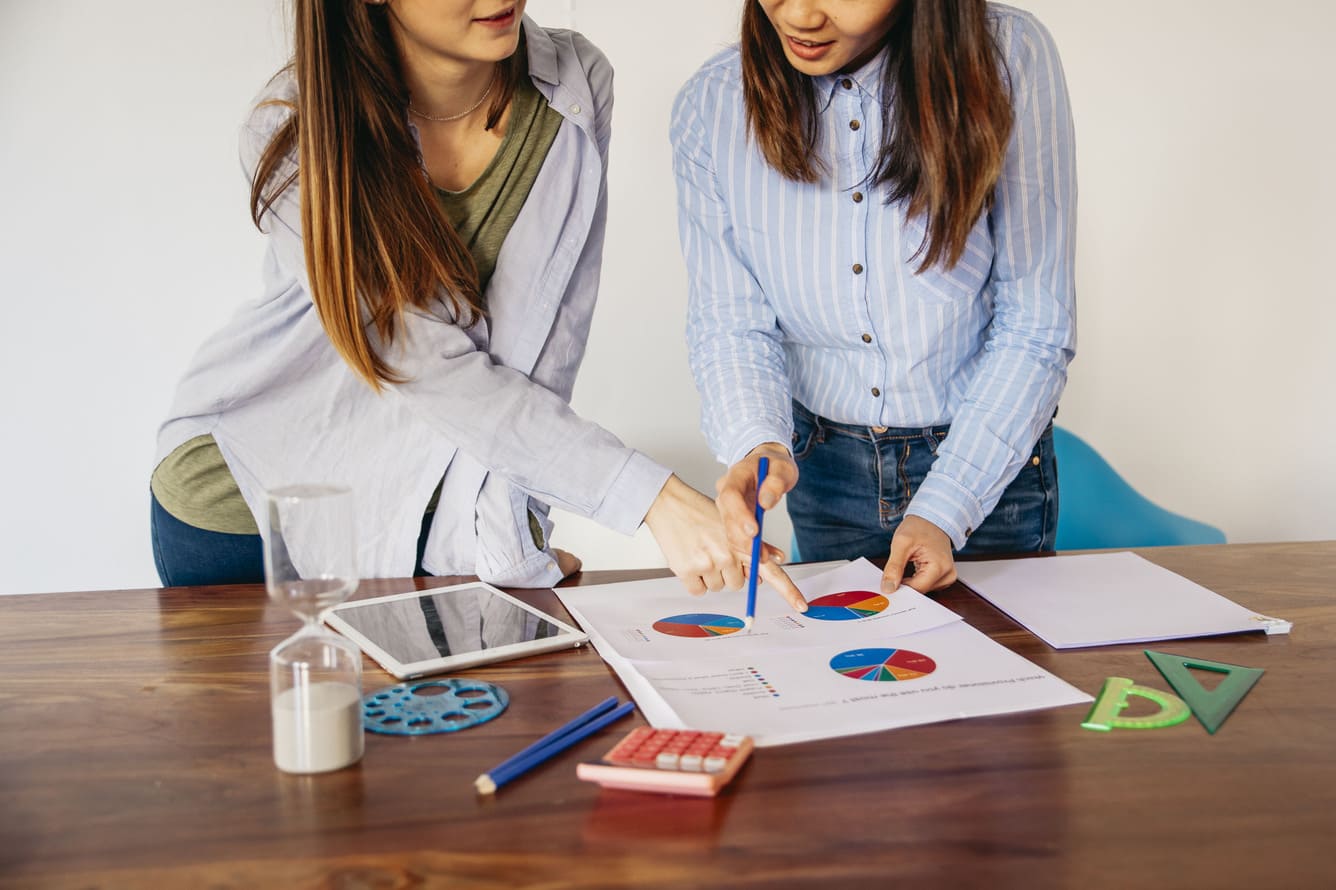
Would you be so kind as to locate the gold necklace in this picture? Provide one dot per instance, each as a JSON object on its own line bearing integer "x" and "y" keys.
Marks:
{"x": 465, "y": 113}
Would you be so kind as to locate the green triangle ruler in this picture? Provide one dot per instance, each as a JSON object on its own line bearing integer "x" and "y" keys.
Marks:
{"x": 1211, "y": 707}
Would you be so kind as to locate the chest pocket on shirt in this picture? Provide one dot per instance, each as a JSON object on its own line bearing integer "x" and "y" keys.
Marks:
{"x": 965, "y": 281}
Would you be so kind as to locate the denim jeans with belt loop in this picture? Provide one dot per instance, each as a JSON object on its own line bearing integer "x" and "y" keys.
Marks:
{"x": 855, "y": 483}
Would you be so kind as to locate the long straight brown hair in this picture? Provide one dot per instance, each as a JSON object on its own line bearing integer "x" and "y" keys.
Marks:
{"x": 375, "y": 239}
{"x": 946, "y": 129}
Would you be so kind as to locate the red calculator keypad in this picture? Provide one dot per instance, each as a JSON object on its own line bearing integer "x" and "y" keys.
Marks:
{"x": 675, "y": 749}
{"x": 670, "y": 761}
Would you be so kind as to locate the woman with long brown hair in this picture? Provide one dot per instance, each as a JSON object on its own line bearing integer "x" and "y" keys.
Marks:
{"x": 877, "y": 206}
{"x": 431, "y": 175}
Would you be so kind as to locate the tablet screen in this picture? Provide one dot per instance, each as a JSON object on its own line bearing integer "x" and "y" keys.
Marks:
{"x": 454, "y": 621}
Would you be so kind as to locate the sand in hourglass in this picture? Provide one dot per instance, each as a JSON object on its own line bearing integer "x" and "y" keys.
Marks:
{"x": 320, "y": 734}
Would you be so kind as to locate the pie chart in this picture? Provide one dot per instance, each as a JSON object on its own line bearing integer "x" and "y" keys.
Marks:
{"x": 698, "y": 624}
{"x": 848, "y": 605}
{"x": 881, "y": 665}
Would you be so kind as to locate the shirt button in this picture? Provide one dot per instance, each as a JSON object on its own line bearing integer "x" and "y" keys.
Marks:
{"x": 847, "y": 84}
{"x": 858, "y": 268}
{"x": 575, "y": 109}
{"x": 867, "y": 338}
{"x": 875, "y": 391}
{"x": 858, "y": 197}
{"x": 854, "y": 125}
{"x": 968, "y": 532}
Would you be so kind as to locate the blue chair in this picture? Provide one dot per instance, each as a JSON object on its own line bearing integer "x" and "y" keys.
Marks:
{"x": 1098, "y": 509}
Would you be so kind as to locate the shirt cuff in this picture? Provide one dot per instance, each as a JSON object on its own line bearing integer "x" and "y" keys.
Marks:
{"x": 949, "y": 506}
{"x": 631, "y": 494}
{"x": 758, "y": 434}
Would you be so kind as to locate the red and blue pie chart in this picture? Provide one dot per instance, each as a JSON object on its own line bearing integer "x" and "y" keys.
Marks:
{"x": 882, "y": 665}
{"x": 847, "y": 605}
{"x": 699, "y": 624}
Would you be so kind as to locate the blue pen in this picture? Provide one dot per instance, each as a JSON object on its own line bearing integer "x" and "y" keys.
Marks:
{"x": 762, "y": 468}
{"x": 538, "y": 753}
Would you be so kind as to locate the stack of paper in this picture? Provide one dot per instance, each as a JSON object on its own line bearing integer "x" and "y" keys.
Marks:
{"x": 1097, "y": 599}
{"x": 858, "y": 661}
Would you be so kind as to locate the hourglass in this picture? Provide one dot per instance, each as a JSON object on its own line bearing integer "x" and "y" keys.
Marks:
{"x": 315, "y": 675}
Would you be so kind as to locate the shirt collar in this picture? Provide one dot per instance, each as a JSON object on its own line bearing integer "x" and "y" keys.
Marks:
{"x": 542, "y": 53}
{"x": 867, "y": 78}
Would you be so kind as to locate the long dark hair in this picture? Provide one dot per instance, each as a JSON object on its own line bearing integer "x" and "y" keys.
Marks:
{"x": 375, "y": 239}
{"x": 946, "y": 130}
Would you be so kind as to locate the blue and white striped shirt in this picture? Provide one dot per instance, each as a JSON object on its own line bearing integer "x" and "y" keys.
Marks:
{"x": 808, "y": 290}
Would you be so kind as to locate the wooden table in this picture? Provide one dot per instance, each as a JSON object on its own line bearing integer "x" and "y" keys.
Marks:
{"x": 135, "y": 752}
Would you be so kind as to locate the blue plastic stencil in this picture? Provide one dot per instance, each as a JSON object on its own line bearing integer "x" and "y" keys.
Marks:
{"x": 432, "y": 706}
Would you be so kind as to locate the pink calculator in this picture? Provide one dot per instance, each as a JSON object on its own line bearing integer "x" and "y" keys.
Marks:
{"x": 670, "y": 761}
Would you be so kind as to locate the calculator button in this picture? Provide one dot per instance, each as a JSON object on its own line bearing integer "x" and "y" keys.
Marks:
{"x": 731, "y": 740}
{"x": 690, "y": 763}
{"x": 666, "y": 760}
{"x": 714, "y": 764}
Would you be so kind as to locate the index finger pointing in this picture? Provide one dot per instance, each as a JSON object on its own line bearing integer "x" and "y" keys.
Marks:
{"x": 777, "y": 578}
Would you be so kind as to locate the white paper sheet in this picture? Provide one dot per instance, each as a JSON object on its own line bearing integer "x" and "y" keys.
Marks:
{"x": 794, "y": 696}
{"x": 913, "y": 662}
{"x": 1099, "y": 599}
{"x": 628, "y": 614}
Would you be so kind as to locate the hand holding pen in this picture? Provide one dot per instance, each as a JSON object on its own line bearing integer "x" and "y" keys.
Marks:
{"x": 743, "y": 496}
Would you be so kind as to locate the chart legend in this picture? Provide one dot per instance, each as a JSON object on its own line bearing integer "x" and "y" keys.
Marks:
{"x": 765, "y": 684}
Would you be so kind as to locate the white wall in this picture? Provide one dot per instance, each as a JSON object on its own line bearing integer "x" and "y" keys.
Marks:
{"x": 1207, "y": 316}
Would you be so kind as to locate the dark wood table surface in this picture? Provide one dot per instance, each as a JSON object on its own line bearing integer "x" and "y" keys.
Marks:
{"x": 135, "y": 752}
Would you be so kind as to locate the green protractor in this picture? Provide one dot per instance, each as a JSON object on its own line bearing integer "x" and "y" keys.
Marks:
{"x": 1112, "y": 699}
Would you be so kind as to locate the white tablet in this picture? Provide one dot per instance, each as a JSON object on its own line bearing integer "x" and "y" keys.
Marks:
{"x": 428, "y": 631}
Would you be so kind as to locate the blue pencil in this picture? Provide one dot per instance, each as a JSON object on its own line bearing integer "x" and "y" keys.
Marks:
{"x": 549, "y": 746}
{"x": 606, "y": 705}
{"x": 762, "y": 468}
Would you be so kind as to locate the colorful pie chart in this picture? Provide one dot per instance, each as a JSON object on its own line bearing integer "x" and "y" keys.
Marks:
{"x": 698, "y": 624}
{"x": 848, "y": 605}
{"x": 881, "y": 665}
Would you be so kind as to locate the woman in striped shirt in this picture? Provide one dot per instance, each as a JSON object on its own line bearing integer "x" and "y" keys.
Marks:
{"x": 877, "y": 203}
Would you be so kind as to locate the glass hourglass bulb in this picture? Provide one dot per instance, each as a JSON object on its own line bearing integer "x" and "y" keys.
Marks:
{"x": 315, "y": 675}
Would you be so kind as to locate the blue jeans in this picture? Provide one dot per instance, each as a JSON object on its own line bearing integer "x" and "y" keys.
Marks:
{"x": 187, "y": 556}
{"x": 854, "y": 484}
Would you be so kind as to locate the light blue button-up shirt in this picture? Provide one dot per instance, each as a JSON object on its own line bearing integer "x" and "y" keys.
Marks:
{"x": 485, "y": 410}
{"x": 809, "y": 290}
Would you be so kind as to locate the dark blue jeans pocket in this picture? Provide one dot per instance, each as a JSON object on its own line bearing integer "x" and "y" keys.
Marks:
{"x": 1025, "y": 519}
{"x": 806, "y": 433}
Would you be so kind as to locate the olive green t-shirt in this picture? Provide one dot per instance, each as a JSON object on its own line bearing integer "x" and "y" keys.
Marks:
{"x": 483, "y": 213}
{"x": 194, "y": 484}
